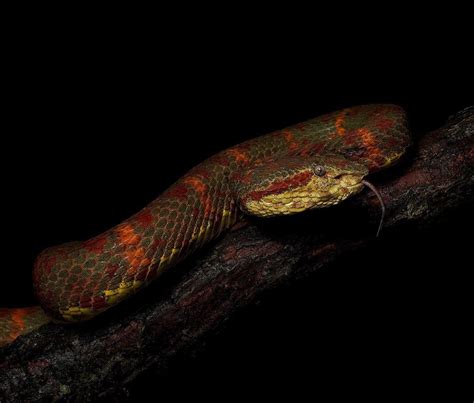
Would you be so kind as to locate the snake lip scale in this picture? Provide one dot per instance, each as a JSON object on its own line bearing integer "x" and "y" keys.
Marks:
{"x": 313, "y": 164}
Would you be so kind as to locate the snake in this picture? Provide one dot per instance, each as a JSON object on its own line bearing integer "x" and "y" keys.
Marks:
{"x": 310, "y": 165}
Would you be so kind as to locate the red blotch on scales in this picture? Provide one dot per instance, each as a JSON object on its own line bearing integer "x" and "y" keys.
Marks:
{"x": 300, "y": 179}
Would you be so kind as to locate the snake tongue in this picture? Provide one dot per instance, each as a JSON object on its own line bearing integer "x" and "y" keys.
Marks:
{"x": 382, "y": 205}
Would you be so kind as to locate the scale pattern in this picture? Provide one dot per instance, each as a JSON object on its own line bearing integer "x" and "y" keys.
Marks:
{"x": 78, "y": 280}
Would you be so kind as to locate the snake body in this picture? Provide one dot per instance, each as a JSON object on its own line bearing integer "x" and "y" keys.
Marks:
{"x": 309, "y": 165}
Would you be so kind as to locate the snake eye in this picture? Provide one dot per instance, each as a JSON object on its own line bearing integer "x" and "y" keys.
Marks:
{"x": 319, "y": 170}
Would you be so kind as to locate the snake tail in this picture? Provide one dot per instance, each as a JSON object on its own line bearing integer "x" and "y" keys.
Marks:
{"x": 17, "y": 321}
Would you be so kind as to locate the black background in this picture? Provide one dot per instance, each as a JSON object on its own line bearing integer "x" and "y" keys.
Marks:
{"x": 96, "y": 126}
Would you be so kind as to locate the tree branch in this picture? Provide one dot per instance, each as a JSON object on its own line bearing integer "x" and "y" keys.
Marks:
{"x": 176, "y": 315}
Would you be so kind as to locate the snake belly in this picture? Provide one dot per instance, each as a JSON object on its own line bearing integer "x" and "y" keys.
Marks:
{"x": 78, "y": 280}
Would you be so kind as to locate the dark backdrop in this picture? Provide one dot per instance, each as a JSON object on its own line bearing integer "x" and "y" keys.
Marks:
{"x": 93, "y": 131}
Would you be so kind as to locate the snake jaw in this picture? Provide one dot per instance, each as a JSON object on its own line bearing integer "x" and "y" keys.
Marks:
{"x": 317, "y": 193}
{"x": 296, "y": 184}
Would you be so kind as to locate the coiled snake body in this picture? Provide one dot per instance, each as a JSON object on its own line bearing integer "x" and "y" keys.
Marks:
{"x": 314, "y": 164}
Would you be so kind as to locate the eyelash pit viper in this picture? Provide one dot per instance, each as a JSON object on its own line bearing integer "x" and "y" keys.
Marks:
{"x": 313, "y": 164}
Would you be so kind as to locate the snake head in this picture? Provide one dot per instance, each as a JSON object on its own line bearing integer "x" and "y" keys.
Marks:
{"x": 296, "y": 184}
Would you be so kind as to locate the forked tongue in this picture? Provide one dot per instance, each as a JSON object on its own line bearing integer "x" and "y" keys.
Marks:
{"x": 382, "y": 205}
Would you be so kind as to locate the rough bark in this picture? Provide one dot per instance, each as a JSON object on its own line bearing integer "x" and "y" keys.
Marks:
{"x": 176, "y": 315}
